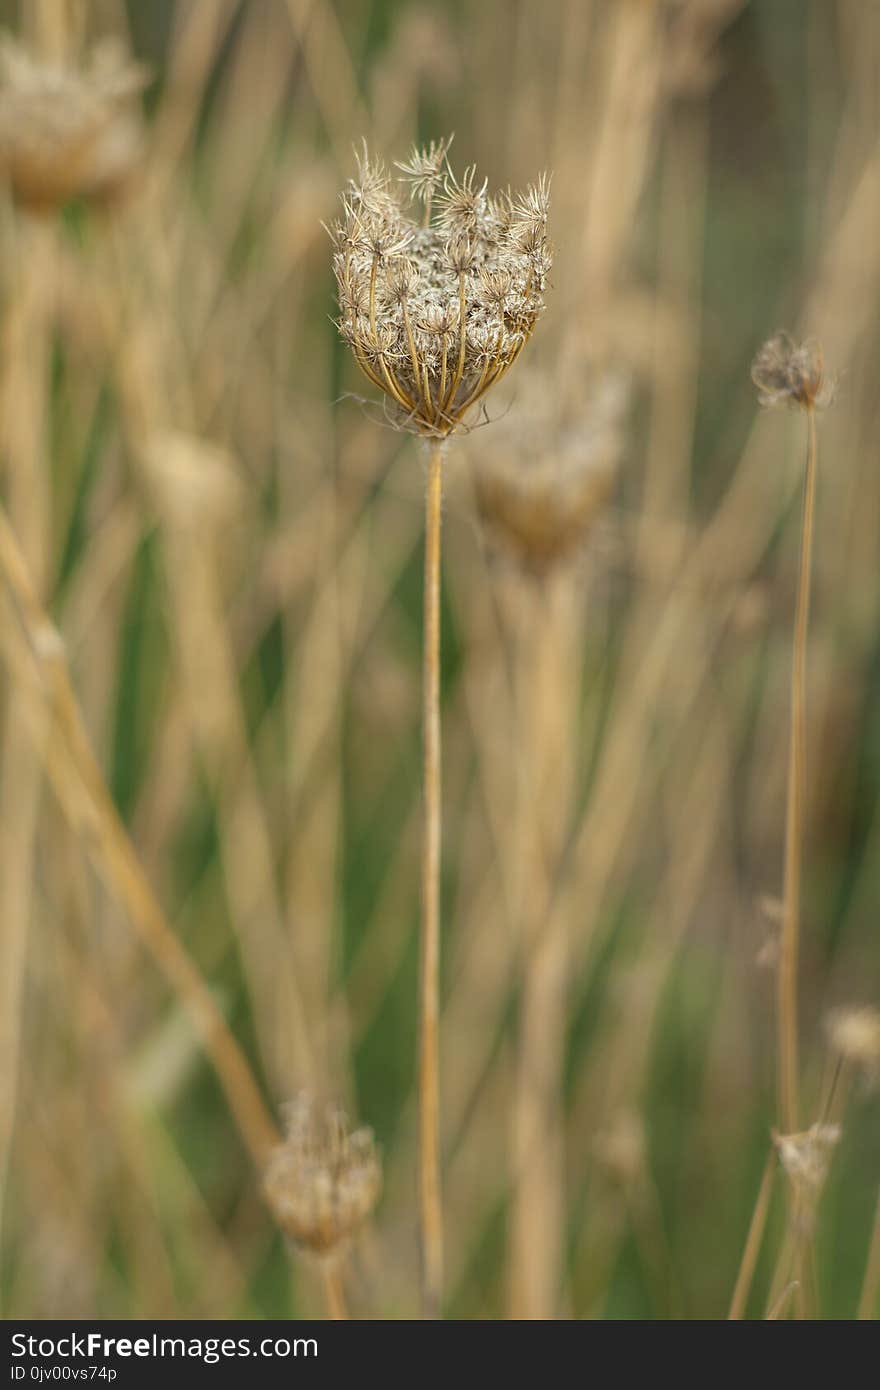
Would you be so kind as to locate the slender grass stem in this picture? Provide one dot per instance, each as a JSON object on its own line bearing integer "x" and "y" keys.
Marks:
{"x": 334, "y": 1291}
{"x": 545, "y": 723}
{"x": 871, "y": 1286}
{"x": 787, "y": 1005}
{"x": 83, "y": 793}
{"x": 429, "y": 1002}
{"x": 757, "y": 1226}
{"x": 775, "y": 1313}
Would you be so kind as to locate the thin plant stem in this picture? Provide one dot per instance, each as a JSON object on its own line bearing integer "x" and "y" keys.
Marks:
{"x": 82, "y": 791}
{"x": 429, "y": 1002}
{"x": 775, "y": 1312}
{"x": 787, "y": 1020}
{"x": 752, "y": 1249}
{"x": 871, "y": 1285}
{"x": 545, "y": 716}
{"x": 334, "y": 1291}
{"x": 786, "y": 1261}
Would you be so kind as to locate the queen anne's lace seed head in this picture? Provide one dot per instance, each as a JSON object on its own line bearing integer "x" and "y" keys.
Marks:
{"x": 324, "y": 1180}
{"x": 437, "y": 309}
{"x": 68, "y": 132}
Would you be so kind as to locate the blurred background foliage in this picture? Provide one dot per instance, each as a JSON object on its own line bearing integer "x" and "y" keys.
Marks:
{"x": 230, "y": 544}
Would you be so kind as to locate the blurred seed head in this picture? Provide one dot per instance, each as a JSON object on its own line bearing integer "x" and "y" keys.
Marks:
{"x": 197, "y": 484}
{"x": 692, "y": 64}
{"x": 323, "y": 1182}
{"x": 543, "y": 478}
{"x": 806, "y": 1159}
{"x": 791, "y": 374}
{"x": 68, "y": 132}
{"x": 771, "y": 910}
{"x": 621, "y": 1148}
{"x": 751, "y": 610}
{"x": 854, "y": 1033}
{"x": 437, "y": 308}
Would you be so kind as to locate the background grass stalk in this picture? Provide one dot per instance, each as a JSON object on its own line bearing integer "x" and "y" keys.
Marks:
{"x": 757, "y": 1226}
{"x": 334, "y": 1292}
{"x": 868, "y": 1297}
{"x": 545, "y": 734}
{"x": 82, "y": 791}
{"x": 429, "y": 1003}
{"x": 25, "y": 388}
{"x": 789, "y": 943}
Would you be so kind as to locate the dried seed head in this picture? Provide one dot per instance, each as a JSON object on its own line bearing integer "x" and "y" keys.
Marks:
{"x": 462, "y": 205}
{"x": 691, "y": 62}
{"x": 495, "y": 289}
{"x": 425, "y": 169}
{"x": 437, "y": 311}
{"x": 400, "y": 282}
{"x": 324, "y": 1180}
{"x": 795, "y": 375}
{"x": 440, "y": 320}
{"x": 854, "y": 1033}
{"x": 806, "y": 1158}
{"x": 370, "y": 191}
{"x": 197, "y": 485}
{"x": 621, "y": 1148}
{"x": 542, "y": 481}
{"x": 68, "y": 132}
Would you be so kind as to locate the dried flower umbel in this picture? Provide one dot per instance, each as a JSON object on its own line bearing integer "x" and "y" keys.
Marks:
{"x": 68, "y": 132}
{"x": 789, "y": 373}
{"x": 324, "y": 1180}
{"x": 436, "y": 308}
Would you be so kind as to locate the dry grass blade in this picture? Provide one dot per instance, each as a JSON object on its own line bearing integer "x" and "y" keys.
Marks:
{"x": 81, "y": 788}
{"x": 754, "y": 1239}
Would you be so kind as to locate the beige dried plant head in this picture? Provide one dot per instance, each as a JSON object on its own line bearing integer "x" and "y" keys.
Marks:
{"x": 436, "y": 307}
{"x": 197, "y": 484}
{"x": 854, "y": 1034}
{"x": 68, "y": 132}
{"x": 692, "y": 63}
{"x": 323, "y": 1182}
{"x": 805, "y": 1159}
{"x": 544, "y": 477}
{"x": 621, "y": 1149}
{"x": 788, "y": 373}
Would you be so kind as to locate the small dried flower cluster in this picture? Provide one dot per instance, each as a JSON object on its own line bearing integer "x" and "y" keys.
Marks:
{"x": 854, "y": 1033}
{"x": 68, "y": 132}
{"x": 437, "y": 309}
{"x": 806, "y": 1158}
{"x": 621, "y": 1149}
{"x": 785, "y": 372}
{"x": 544, "y": 479}
{"x": 324, "y": 1180}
